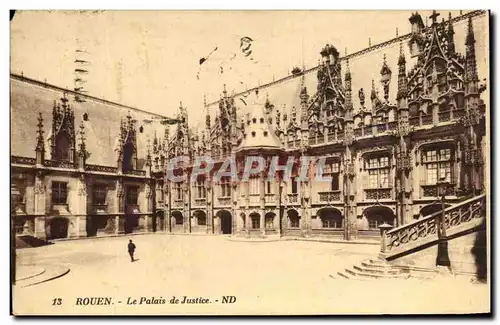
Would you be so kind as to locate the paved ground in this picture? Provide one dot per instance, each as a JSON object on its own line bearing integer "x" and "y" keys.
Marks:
{"x": 290, "y": 277}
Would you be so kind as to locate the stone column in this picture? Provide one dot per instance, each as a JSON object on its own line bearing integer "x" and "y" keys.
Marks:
{"x": 234, "y": 205}
{"x": 39, "y": 206}
{"x": 262, "y": 204}
{"x": 187, "y": 211}
{"x": 119, "y": 219}
{"x": 168, "y": 206}
{"x": 81, "y": 219}
{"x": 210, "y": 210}
{"x": 246, "y": 191}
{"x": 284, "y": 202}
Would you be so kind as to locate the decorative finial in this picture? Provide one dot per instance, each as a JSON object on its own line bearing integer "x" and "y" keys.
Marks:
{"x": 40, "y": 145}
{"x": 397, "y": 32}
{"x": 369, "y": 42}
{"x": 434, "y": 16}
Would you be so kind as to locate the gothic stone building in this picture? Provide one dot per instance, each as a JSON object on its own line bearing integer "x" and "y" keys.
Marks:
{"x": 82, "y": 168}
{"x": 401, "y": 124}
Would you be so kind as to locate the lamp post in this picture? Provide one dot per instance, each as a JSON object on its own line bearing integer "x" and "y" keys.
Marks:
{"x": 443, "y": 258}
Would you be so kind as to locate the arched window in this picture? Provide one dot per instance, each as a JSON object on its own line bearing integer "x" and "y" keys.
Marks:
{"x": 128, "y": 157}
{"x": 255, "y": 221}
{"x": 294, "y": 218}
{"x": 330, "y": 218}
{"x": 269, "y": 220}
{"x": 63, "y": 147}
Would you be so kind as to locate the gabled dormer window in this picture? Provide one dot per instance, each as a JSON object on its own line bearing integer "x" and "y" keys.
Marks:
{"x": 63, "y": 147}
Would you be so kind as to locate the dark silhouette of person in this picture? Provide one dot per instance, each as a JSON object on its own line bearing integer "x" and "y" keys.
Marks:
{"x": 131, "y": 249}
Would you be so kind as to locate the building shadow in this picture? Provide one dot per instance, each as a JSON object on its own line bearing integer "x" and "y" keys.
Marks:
{"x": 479, "y": 251}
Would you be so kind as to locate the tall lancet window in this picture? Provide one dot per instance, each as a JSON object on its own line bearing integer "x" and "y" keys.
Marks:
{"x": 128, "y": 157}
{"x": 63, "y": 147}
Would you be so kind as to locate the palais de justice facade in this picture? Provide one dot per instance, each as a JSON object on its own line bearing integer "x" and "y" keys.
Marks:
{"x": 396, "y": 140}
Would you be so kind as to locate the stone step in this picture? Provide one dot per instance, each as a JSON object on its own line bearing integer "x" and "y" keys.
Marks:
{"x": 375, "y": 275}
{"x": 376, "y": 270}
{"x": 378, "y": 262}
{"x": 51, "y": 272}
{"x": 369, "y": 263}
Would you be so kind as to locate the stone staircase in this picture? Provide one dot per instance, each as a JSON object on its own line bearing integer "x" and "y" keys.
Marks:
{"x": 402, "y": 245}
{"x": 29, "y": 275}
{"x": 372, "y": 269}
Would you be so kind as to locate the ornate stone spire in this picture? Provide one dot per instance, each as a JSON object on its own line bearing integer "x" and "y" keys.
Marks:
{"x": 207, "y": 115}
{"x": 385, "y": 74}
{"x": 450, "y": 33}
{"x": 348, "y": 92}
{"x": 82, "y": 149}
{"x": 148, "y": 156}
{"x": 155, "y": 143}
{"x": 470, "y": 54}
{"x": 373, "y": 94}
{"x": 402, "y": 79}
{"x": 40, "y": 143}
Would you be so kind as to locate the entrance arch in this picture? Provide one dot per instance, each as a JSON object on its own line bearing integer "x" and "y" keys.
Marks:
{"x": 293, "y": 218}
{"x": 331, "y": 218}
{"x": 159, "y": 221}
{"x": 431, "y": 208}
{"x": 201, "y": 217}
{"x": 269, "y": 220}
{"x": 255, "y": 220}
{"x": 58, "y": 228}
{"x": 377, "y": 215}
{"x": 226, "y": 221}
{"x": 177, "y": 219}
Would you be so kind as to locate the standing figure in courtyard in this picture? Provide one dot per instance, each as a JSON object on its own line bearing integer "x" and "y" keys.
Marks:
{"x": 131, "y": 249}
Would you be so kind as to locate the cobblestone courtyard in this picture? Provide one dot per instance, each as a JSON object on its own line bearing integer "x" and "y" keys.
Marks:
{"x": 281, "y": 277}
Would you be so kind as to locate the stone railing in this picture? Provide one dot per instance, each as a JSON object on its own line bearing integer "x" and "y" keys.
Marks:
{"x": 270, "y": 198}
{"x": 254, "y": 198}
{"x": 426, "y": 229}
{"x": 224, "y": 200}
{"x": 98, "y": 168}
{"x": 59, "y": 164}
{"x": 135, "y": 172}
{"x": 178, "y": 203}
{"x": 444, "y": 116}
{"x": 434, "y": 190}
{"x": 378, "y": 193}
{"x": 22, "y": 160}
{"x": 329, "y": 196}
{"x": 200, "y": 201}
{"x": 293, "y": 198}
{"x": 427, "y": 119}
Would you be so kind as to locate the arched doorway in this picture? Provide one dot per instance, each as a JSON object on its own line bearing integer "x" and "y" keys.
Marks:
{"x": 200, "y": 218}
{"x": 269, "y": 220}
{"x": 293, "y": 218}
{"x": 96, "y": 223}
{"x": 131, "y": 222}
{"x": 177, "y": 219}
{"x": 378, "y": 215}
{"x": 226, "y": 221}
{"x": 58, "y": 228}
{"x": 331, "y": 218}
{"x": 431, "y": 208}
{"x": 255, "y": 221}
{"x": 159, "y": 221}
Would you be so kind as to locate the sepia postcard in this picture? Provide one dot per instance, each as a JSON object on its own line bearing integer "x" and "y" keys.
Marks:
{"x": 250, "y": 162}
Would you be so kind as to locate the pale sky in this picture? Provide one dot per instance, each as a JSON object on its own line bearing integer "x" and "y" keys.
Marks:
{"x": 149, "y": 59}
